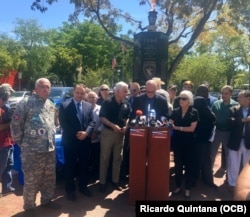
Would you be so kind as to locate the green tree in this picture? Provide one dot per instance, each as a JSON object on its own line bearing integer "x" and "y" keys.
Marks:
{"x": 227, "y": 41}
{"x": 180, "y": 19}
{"x": 240, "y": 13}
{"x": 65, "y": 62}
{"x": 37, "y": 55}
{"x": 11, "y": 54}
{"x": 201, "y": 68}
{"x": 92, "y": 51}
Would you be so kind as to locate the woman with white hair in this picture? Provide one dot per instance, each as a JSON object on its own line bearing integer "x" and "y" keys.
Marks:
{"x": 184, "y": 119}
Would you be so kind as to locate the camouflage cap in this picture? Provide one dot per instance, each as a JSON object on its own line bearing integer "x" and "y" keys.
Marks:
{"x": 8, "y": 86}
{"x": 5, "y": 91}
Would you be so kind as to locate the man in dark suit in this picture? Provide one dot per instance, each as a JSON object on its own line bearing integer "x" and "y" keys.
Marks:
{"x": 76, "y": 119}
{"x": 203, "y": 132}
{"x": 150, "y": 99}
{"x": 239, "y": 140}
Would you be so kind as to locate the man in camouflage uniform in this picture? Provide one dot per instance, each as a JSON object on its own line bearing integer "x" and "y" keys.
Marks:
{"x": 33, "y": 129}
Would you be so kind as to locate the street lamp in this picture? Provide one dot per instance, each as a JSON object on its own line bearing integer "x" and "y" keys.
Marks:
{"x": 19, "y": 80}
{"x": 118, "y": 72}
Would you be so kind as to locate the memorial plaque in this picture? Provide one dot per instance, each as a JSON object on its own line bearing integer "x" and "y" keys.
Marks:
{"x": 150, "y": 56}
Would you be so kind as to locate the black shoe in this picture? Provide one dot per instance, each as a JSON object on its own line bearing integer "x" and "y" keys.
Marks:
{"x": 187, "y": 195}
{"x": 8, "y": 190}
{"x": 29, "y": 213}
{"x": 51, "y": 205}
{"x": 102, "y": 187}
{"x": 124, "y": 178}
{"x": 176, "y": 191}
{"x": 116, "y": 186}
{"x": 86, "y": 192}
{"x": 72, "y": 196}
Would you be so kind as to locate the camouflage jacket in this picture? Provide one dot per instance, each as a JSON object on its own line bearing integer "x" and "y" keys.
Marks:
{"x": 33, "y": 124}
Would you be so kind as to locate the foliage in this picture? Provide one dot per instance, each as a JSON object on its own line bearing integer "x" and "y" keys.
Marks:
{"x": 11, "y": 54}
{"x": 95, "y": 79}
{"x": 5, "y": 61}
{"x": 180, "y": 19}
{"x": 64, "y": 64}
{"x": 240, "y": 13}
{"x": 201, "y": 68}
{"x": 229, "y": 43}
{"x": 92, "y": 51}
{"x": 36, "y": 58}
{"x": 83, "y": 51}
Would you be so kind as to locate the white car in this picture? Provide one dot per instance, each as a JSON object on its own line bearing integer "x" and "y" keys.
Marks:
{"x": 16, "y": 97}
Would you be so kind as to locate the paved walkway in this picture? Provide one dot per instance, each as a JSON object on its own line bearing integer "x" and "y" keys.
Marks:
{"x": 109, "y": 204}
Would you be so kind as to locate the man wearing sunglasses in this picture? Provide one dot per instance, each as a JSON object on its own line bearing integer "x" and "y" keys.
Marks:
{"x": 134, "y": 91}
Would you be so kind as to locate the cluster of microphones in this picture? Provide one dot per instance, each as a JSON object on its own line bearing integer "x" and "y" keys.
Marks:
{"x": 149, "y": 120}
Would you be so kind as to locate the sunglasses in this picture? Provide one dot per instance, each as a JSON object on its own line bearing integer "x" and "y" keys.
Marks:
{"x": 104, "y": 89}
{"x": 133, "y": 90}
{"x": 183, "y": 98}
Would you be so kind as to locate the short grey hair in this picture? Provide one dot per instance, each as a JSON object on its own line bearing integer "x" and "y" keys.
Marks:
{"x": 39, "y": 80}
{"x": 120, "y": 85}
{"x": 92, "y": 93}
{"x": 189, "y": 95}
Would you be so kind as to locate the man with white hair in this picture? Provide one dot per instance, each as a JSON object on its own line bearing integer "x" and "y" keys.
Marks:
{"x": 114, "y": 115}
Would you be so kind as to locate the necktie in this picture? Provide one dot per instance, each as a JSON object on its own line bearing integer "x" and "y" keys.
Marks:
{"x": 79, "y": 111}
{"x": 244, "y": 113}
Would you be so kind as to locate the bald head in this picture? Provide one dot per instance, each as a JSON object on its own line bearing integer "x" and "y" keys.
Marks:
{"x": 151, "y": 87}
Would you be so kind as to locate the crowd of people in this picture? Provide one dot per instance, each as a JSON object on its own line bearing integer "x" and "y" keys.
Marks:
{"x": 95, "y": 134}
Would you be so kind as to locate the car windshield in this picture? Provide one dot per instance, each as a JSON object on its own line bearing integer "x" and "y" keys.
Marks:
{"x": 55, "y": 94}
{"x": 17, "y": 94}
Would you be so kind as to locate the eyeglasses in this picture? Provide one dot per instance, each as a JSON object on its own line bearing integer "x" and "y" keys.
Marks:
{"x": 183, "y": 98}
{"x": 133, "y": 90}
{"x": 104, "y": 89}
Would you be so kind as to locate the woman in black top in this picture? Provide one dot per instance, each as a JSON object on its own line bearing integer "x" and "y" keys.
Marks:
{"x": 184, "y": 119}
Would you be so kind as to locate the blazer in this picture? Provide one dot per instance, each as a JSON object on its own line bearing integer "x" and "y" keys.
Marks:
{"x": 70, "y": 122}
{"x": 160, "y": 105}
{"x": 237, "y": 128}
{"x": 206, "y": 119}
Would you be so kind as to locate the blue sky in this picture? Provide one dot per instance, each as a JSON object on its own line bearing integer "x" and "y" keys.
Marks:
{"x": 57, "y": 13}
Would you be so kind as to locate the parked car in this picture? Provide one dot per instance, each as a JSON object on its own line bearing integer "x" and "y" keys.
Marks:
{"x": 16, "y": 97}
{"x": 215, "y": 94}
{"x": 60, "y": 94}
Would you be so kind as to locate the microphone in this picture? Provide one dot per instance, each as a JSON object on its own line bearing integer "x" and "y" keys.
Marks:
{"x": 138, "y": 115}
{"x": 143, "y": 121}
{"x": 137, "y": 121}
{"x": 164, "y": 120}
